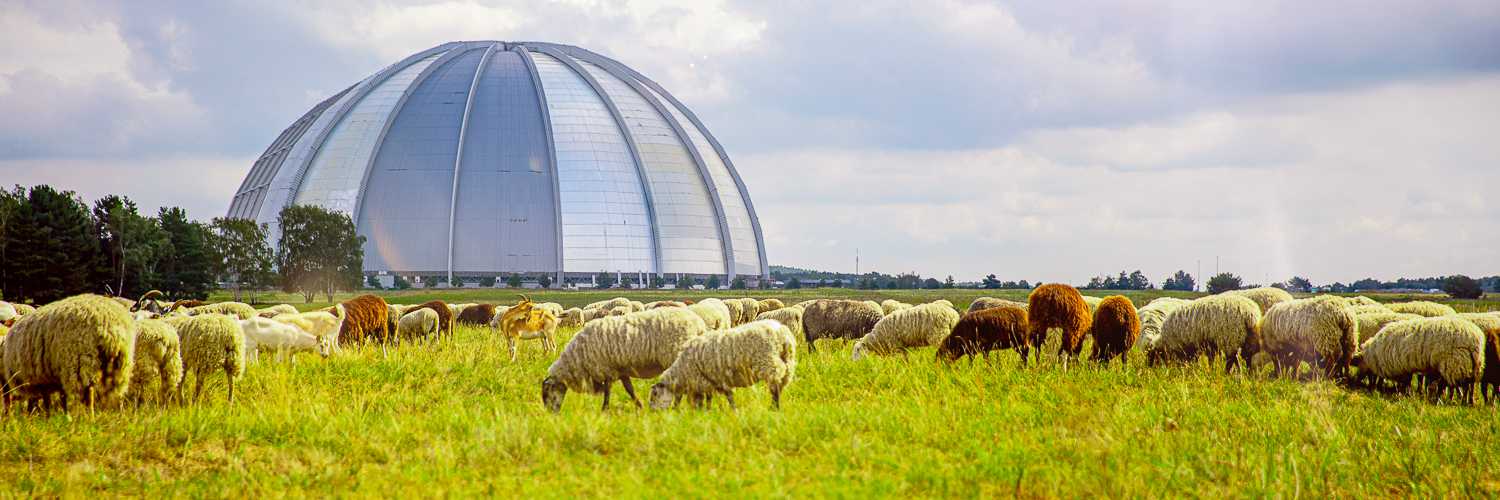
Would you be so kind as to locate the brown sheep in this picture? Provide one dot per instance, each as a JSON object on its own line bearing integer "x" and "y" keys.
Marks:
{"x": 985, "y": 330}
{"x": 445, "y": 316}
{"x": 1489, "y": 382}
{"x": 838, "y": 319}
{"x": 1115, "y": 329}
{"x": 477, "y": 315}
{"x": 1056, "y": 305}
{"x": 365, "y": 318}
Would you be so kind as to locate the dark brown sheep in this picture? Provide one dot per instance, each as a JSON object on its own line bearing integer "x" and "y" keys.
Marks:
{"x": 365, "y": 318}
{"x": 1489, "y": 382}
{"x": 838, "y": 319}
{"x": 445, "y": 316}
{"x": 476, "y": 315}
{"x": 1056, "y": 305}
{"x": 985, "y": 330}
{"x": 1115, "y": 329}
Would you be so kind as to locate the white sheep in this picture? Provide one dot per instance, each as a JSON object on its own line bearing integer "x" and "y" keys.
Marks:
{"x": 1264, "y": 297}
{"x": 902, "y": 329}
{"x": 1369, "y": 308}
{"x": 81, "y": 348}
{"x": 210, "y": 343}
{"x": 1218, "y": 324}
{"x": 273, "y": 311}
{"x": 1422, "y": 308}
{"x": 1152, "y": 316}
{"x": 714, "y": 312}
{"x": 721, "y": 361}
{"x": 1319, "y": 330}
{"x": 570, "y": 317}
{"x": 1449, "y": 348}
{"x": 607, "y": 350}
{"x": 158, "y": 360}
{"x": 1371, "y": 323}
{"x": 240, "y": 310}
{"x": 266, "y": 334}
{"x": 983, "y": 303}
{"x": 736, "y": 311}
{"x": 789, "y": 316}
{"x": 889, "y": 306}
{"x": 764, "y": 305}
{"x": 320, "y": 324}
{"x": 421, "y": 324}
{"x": 1484, "y": 320}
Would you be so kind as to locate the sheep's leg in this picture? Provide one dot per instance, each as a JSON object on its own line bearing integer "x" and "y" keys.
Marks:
{"x": 776, "y": 396}
{"x": 198, "y": 387}
{"x": 605, "y": 388}
{"x": 230, "y": 381}
{"x": 90, "y": 397}
{"x": 630, "y": 389}
{"x": 511, "y": 341}
{"x": 729, "y": 395}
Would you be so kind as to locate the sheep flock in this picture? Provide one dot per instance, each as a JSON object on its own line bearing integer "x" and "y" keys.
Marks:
{"x": 93, "y": 351}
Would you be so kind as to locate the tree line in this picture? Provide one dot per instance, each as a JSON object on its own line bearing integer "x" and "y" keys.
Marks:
{"x": 54, "y": 245}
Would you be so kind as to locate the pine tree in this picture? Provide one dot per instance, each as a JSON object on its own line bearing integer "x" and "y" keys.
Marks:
{"x": 50, "y": 246}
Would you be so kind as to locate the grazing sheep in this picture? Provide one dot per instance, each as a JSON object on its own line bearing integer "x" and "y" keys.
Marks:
{"x": 570, "y": 318}
{"x": 1093, "y": 302}
{"x": 714, "y": 312}
{"x": 721, "y": 361}
{"x": 418, "y": 325}
{"x": 210, "y": 342}
{"x": 1264, "y": 297}
{"x": 789, "y": 316}
{"x": 321, "y": 324}
{"x": 764, "y": 305}
{"x": 271, "y": 312}
{"x": 158, "y": 360}
{"x": 477, "y": 314}
{"x": 983, "y": 303}
{"x": 81, "y": 348}
{"x": 639, "y": 345}
{"x": 736, "y": 311}
{"x": 1152, "y": 315}
{"x": 239, "y": 310}
{"x": 877, "y": 306}
{"x": 1115, "y": 329}
{"x": 1422, "y": 308}
{"x": 1060, "y": 306}
{"x": 525, "y": 321}
{"x": 637, "y": 306}
{"x": 1369, "y": 309}
{"x": 1449, "y": 350}
{"x": 805, "y": 303}
{"x": 1319, "y": 330}
{"x": 609, "y": 304}
{"x": 1371, "y": 323}
{"x": 557, "y": 309}
{"x": 1361, "y": 301}
{"x": 621, "y": 310}
{"x": 889, "y": 306}
{"x": 664, "y": 303}
{"x": 985, "y": 330}
{"x": 838, "y": 319}
{"x": 913, "y": 326}
{"x": 1210, "y": 326}
{"x": 266, "y": 334}
{"x": 1485, "y": 320}
{"x": 445, "y": 317}
{"x": 749, "y": 308}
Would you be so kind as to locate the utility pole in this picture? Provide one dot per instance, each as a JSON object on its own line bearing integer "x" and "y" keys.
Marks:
{"x": 1200, "y": 275}
{"x": 856, "y": 261}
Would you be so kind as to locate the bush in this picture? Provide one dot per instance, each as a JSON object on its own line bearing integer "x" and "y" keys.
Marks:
{"x": 372, "y": 282}
{"x": 713, "y": 282}
{"x": 1224, "y": 282}
{"x": 1459, "y": 286}
{"x": 737, "y": 284}
{"x": 401, "y": 283}
{"x": 514, "y": 281}
{"x": 431, "y": 281}
{"x": 487, "y": 282}
{"x": 545, "y": 280}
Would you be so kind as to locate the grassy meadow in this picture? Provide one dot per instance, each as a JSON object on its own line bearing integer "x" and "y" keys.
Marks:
{"x": 460, "y": 419}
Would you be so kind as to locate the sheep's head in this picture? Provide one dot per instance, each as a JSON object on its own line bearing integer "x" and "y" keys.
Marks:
{"x": 950, "y": 349}
{"x": 552, "y": 394}
{"x": 662, "y": 397}
{"x": 325, "y": 345}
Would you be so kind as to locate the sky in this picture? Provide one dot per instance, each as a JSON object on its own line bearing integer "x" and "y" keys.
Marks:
{"x": 1046, "y": 141}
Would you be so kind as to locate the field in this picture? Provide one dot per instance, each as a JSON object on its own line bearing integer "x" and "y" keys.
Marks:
{"x": 461, "y": 420}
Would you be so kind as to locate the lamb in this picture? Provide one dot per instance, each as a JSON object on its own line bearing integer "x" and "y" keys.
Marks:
{"x": 421, "y": 324}
{"x": 570, "y": 318}
{"x": 525, "y": 321}
{"x": 1319, "y": 330}
{"x": 283, "y": 338}
{"x": 1422, "y": 308}
{"x": 1449, "y": 350}
{"x": 1115, "y": 328}
{"x": 273, "y": 311}
{"x": 640, "y": 345}
{"x": 1056, "y": 305}
{"x": 445, "y": 317}
{"x": 237, "y": 309}
{"x": 210, "y": 342}
{"x": 914, "y": 326}
{"x": 1264, "y": 297}
{"x": 714, "y": 313}
{"x": 1371, "y": 323}
{"x": 719, "y": 362}
{"x": 1218, "y": 324}
{"x": 985, "y": 330}
{"x": 1152, "y": 315}
{"x": 477, "y": 314}
{"x": 789, "y": 316}
{"x": 320, "y": 324}
{"x": 889, "y": 306}
{"x": 838, "y": 319}
{"x": 764, "y": 305}
{"x": 81, "y": 347}
{"x": 983, "y": 303}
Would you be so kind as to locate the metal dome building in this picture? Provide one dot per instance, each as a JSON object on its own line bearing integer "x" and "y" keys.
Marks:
{"x": 490, "y": 158}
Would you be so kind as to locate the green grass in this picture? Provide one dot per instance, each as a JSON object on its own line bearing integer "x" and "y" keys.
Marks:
{"x": 461, "y": 420}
